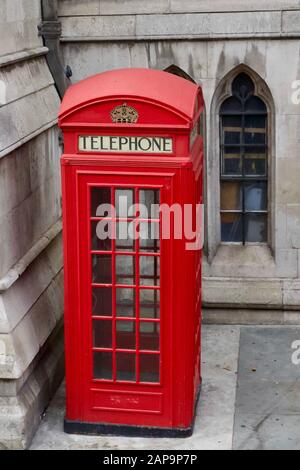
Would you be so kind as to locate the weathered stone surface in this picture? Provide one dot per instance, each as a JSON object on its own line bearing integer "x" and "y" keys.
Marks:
{"x": 18, "y": 23}
{"x": 291, "y": 21}
{"x": 20, "y": 415}
{"x": 98, "y": 26}
{"x": 78, "y": 7}
{"x": 232, "y": 5}
{"x": 35, "y": 168}
{"x": 133, "y": 7}
{"x": 237, "y": 292}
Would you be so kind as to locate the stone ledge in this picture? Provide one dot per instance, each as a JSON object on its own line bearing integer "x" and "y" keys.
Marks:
{"x": 20, "y": 415}
{"x": 229, "y": 25}
{"x": 225, "y": 316}
{"x": 21, "y": 56}
{"x": 17, "y": 270}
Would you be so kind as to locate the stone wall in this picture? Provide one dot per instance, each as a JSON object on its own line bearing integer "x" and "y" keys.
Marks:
{"x": 262, "y": 38}
{"x": 31, "y": 294}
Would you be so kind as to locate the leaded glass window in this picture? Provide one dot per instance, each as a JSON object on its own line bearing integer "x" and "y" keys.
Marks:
{"x": 244, "y": 165}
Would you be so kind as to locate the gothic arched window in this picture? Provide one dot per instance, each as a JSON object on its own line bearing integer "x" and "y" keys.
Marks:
{"x": 244, "y": 165}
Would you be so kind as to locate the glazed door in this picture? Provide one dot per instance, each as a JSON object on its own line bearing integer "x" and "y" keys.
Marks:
{"x": 125, "y": 306}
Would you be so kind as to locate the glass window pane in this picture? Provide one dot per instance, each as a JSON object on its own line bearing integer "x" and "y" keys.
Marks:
{"x": 231, "y": 195}
{"x": 256, "y": 196}
{"x": 126, "y": 367}
{"x": 100, "y": 230}
{"x": 125, "y": 302}
{"x": 124, "y": 203}
{"x": 232, "y": 129}
{"x": 255, "y": 105}
{"x": 149, "y": 237}
{"x": 149, "y": 336}
{"x": 125, "y": 236}
{"x": 149, "y": 368}
{"x": 102, "y": 334}
{"x": 231, "y": 228}
{"x": 125, "y": 269}
{"x": 100, "y": 196}
{"x": 101, "y": 269}
{"x": 231, "y": 105}
{"x": 102, "y": 301}
{"x": 149, "y": 270}
{"x": 126, "y": 338}
{"x": 232, "y": 161}
{"x": 256, "y": 228}
{"x": 242, "y": 86}
{"x": 103, "y": 365}
{"x": 150, "y": 199}
{"x": 255, "y": 130}
{"x": 149, "y": 303}
{"x": 255, "y": 161}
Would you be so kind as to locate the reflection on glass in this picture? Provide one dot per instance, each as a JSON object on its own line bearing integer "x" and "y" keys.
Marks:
{"x": 149, "y": 237}
{"x": 125, "y": 302}
{"x": 102, "y": 301}
{"x": 101, "y": 269}
{"x": 149, "y": 368}
{"x": 232, "y": 129}
{"x": 150, "y": 199}
{"x": 149, "y": 336}
{"x": 256, "y": 228}
{"x": 103, "y": 365}
{"x": 100, "y": 230}
{"x": 99, "y": 196}
{"x": 255, "y": 161}
{"x": 232, "y": 162}
{"x": 231, "y": 195}
{"x": 124, "y": 203}
{"x": 149, "y": 303}
{"x": 256, "y": 196}
{"x": 125, "y": 269}
{"x": 126, "y": 367}
{"x": 126, "y": 337}
{"x": 125, "y": 236}
{"x": 102, "y": 334}
{"x": 231, "y": 228}
{"x": 255, "y": 129}
{"x": 149, "y": 270}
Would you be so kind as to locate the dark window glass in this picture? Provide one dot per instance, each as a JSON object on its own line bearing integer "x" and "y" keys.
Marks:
{"x": 149, "y": 368}
{"x": 125, "y": 336}
{"x": 126, "y": 367}
{"x": 103, "y": 365}
{"x": 102, "y": 333}
{"x": 102, "y": 301}
{"x": 231, "y": 227}
{"x": 149, "y": 336}
{"x": 101, "y": 269}
{"x": 100, "y": 196}
{"x": 101, "y": 235}
{"x": 244, "y": 168}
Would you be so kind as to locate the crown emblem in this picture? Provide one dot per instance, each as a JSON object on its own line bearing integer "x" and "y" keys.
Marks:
{"x": 124, "y": 114}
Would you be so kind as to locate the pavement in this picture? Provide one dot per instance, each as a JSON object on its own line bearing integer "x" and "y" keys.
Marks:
{"x": 250, "y": 398}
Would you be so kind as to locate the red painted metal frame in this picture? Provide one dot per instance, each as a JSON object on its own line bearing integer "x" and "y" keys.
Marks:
{"x": 170, "y": 403}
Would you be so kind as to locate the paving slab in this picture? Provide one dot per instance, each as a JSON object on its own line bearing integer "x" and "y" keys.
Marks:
{"x": 215, "y": 412}
{"x": 267, "y": 413}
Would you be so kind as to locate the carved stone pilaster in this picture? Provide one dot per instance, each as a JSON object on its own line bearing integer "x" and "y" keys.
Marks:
{"x": 50, "y": 30}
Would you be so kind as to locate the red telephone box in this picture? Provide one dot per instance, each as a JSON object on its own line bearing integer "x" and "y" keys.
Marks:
{"x": 132, "y": 299}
